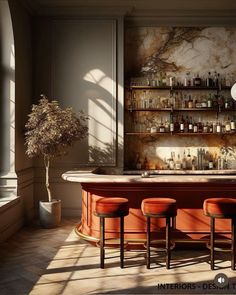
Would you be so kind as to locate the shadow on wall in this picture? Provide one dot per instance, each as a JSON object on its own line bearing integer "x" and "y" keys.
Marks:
{"x": 103, "y": 155}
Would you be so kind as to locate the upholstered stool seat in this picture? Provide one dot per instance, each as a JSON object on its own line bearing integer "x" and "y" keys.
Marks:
{"x": 159, "y": 208}
{"x": 111, "y": 208}
{"x": 221, "y": 208}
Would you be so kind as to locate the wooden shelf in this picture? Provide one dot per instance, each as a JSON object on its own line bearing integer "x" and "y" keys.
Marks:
{"x": 176, "y": 133}
{"x": 180, "y": 110}
{"x": 178, "y": 87}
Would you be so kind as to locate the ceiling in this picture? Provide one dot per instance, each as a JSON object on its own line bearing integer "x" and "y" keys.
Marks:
{"x": 136, "y": 7}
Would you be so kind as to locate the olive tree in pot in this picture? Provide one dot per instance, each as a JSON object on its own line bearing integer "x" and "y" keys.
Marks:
{"x": 50, "y": 130}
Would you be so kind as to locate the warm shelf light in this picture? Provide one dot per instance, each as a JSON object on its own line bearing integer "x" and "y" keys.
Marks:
{"x": 233, "y": 91}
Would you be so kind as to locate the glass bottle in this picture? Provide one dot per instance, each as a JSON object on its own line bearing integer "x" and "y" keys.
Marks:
{"x": 181, "y": 127}
{"x": 190, "y": 125}
{"x": 209, "y": 81}
{"x": 138, "y": 162}
{"x": 190, "y": 102}
{"x": 228, "y": 126}
{"x": 178, "y": 163}
{"x": 162, "y": 127}
{"x": 209, "y": 101}
{"x": 197, "y": 81}
{"x": 199, "y": 125}
{"x": 232, "y": 125}
{"x": 218, "y": 127}
{"x": 184, "y": 161}
{"x": 189, "y": 160}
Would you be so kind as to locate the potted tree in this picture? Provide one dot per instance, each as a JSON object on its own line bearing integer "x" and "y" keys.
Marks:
{"x": 50, "y": 130}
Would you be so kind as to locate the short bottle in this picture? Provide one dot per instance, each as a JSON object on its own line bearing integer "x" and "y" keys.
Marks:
{"x": 197, "y": 81}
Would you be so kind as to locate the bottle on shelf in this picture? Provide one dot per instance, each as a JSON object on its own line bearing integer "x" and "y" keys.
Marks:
{"x": 167, "y": 126}
{"x": 184, "y": 161}
{"x": 199, "y": 125}
{"x": 189, "y": 160}
{"x": 218, "y": 127}
{"x": 209, "y": 80}
{"x": 138, "y": 162}
{"x": 209, "y": 101}
{"x": 232, "y": 125}
{"x": 172, "y": 126}
{"x": 162, "y": 127}
{"x": 228, "y": 125}
{"x": 190, "y": 101}
{"x": 210, "y": 127}
{"x": 216, "y": 80}
{"x": 210, "y": 162}
{"x": 190, "y": 125}
{"x": 181, "y": 125}
{"x": 197, "y": 81}
{"x": 178, "y": 163}
{"x": 145, "y": 163}
{"x": 195, "y": 127}
{"x": 172, "y": 161}
{"x": 206, "y": 128}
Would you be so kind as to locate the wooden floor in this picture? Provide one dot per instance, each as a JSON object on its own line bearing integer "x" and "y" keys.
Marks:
{"x": 57, "y": 261}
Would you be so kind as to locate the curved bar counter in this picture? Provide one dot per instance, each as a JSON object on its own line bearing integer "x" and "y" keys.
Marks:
{"x": 190, "y": 191}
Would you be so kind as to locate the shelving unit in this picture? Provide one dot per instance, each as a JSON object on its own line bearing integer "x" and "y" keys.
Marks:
{"x": 168, "y": 104}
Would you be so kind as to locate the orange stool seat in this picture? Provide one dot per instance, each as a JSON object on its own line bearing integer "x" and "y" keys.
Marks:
{"x": 220, "y": 207}
{"x": 159, "y": 206}
{"x": 112, "y": 206}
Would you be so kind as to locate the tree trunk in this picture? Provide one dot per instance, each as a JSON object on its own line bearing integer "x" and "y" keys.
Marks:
{"x": 47, "y": 163}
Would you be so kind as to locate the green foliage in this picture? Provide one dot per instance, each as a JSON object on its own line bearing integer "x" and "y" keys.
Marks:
{"x": 50, "y": 130}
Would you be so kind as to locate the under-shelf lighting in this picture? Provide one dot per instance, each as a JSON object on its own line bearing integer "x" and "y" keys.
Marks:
{"x": 233, "y": 91}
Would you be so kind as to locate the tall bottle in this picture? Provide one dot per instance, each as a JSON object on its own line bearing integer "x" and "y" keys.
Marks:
{"x": 190, "y": 125}
{"x": 184, "y": 161}
{"x": 209, "y": 80}
{"x": 199, "y": 125}
{"x": 172, "y": 126}
{"x": 178, "y": 163}
{"x": 181, "y": 127}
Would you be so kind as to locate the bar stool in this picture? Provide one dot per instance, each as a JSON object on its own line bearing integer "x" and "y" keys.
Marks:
{"x": 159, "y": 208}
{"x": 111, "y": 208}
{"x": 221, "y": 208}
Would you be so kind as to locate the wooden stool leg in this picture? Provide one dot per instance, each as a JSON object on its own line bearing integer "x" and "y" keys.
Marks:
{"x": 233, "y": 243}
{"x": 102, "y": 241}
{"x": 122, "y": 241}
{"x": 168, "y": 242}
{"x": 148, "y": 242}
{"x": 212, "y": 242}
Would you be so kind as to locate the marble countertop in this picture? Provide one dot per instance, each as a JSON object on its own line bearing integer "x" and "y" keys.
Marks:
{"x": 99, "y": 176}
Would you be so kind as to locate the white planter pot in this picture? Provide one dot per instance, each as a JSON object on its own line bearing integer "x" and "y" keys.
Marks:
{"x": 50, "y": 213}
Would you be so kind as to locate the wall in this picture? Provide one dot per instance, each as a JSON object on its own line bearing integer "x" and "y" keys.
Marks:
{"x": 79, "y": 62}
{"x": 18, "y": 210}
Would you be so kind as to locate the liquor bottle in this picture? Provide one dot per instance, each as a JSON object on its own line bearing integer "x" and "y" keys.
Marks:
{"x": 172, "y": 126}
{"x": 211, "y": 127}
{"x": 227, "y": 103}
{"x": 209, "y": 81}
{"x": 181, "y": 127}
{"x": 186, "y": 79}
{"x": 206, "y": 128}
{"x": 177, "y": 125}
{"x": 190, "y": 125}
{"x": 209, "y": 101}
{"x": 190, "y": 102}
{"x": 218, "y": 127}
{"x": 228, "y": 126}
{"x": 215, "y": 80}
{"x": 164, "y": 80}
{"x": 197, "y": 81}
{"x": 189, "y": 160}
{"x": 186, "y": 123}
{"x": 167, "y": 126}
{"x": 210, "y": 163}
{"x": 199, "y": 125}
{"x": 178, "y": 163}
{"x": 145, "y": 163}
{"x": 138, "y": 162}
{"x": 172, "y": 161}
{"x": 232, "y": 125}
{"x": 162, "y": 127}
{"x": 195, "y": 127}
{"x": 184, "y": 161}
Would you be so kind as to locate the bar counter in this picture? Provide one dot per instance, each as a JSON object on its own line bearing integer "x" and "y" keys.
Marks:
{"x": 190, "y": 191}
